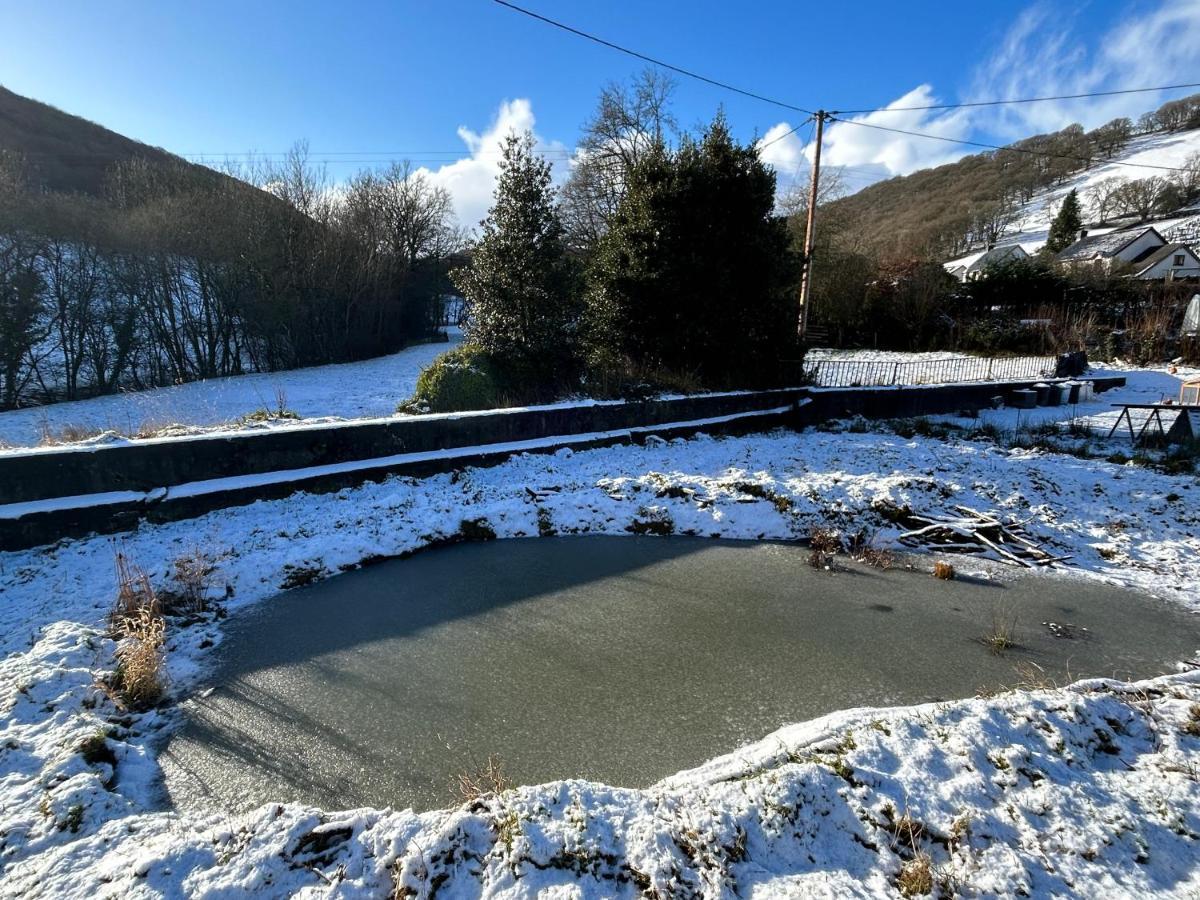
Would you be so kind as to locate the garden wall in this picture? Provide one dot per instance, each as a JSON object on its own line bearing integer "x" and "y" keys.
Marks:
{"x": 46, "y": 495}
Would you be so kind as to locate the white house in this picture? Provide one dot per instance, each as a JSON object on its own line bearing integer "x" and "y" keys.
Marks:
{"x": 1168, "y": 262}
{"x": 1116, "y": 248}
{"x": 969, "y": 268}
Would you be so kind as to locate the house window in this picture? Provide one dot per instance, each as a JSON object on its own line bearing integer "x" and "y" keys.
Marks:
{"x": 1179, "y": 259}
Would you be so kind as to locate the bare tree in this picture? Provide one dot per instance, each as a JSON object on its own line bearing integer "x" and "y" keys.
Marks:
{"x": 629, "y": 122}
{"x": 1112, "y": 137}
{"x": 1102, "y": 197}
{"x": 1142, "y": 197}
{"x": 1188, "y": 177}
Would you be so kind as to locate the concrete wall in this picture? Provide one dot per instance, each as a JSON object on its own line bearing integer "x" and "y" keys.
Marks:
{"x": 146, "y": 465}
{"x": 143, "y": 467}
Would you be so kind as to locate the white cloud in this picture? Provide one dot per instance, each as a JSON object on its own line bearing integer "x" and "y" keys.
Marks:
{"x": 784, "y": 149}
{"x": 863, "y": 147}
{"x": 1038, "y": 56}
{"x": 472, "y": 179}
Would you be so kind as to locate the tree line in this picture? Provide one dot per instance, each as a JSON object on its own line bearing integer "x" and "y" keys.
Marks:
{"x": 661, "y": 263}
{"x": 168, "y": 277}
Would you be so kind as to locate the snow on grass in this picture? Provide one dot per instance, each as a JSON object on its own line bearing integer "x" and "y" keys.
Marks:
{"x": 370, "y": 388}
{"x": 1086, "y": 790}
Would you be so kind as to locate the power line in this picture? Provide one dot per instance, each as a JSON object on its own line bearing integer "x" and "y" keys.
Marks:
{"x": 1144, "y": 90}
{"x": 788, "y": 133}
{"x": 1012, "y": 147}
{"x": 650, "y": 59}
{"x": 808, "y": 112}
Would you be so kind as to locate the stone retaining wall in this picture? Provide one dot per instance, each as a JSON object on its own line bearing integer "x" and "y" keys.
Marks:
{"x": 110, "y": 489}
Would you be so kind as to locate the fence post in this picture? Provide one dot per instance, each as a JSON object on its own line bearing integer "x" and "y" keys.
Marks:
{"x": 895, "y": 372}
{"x": 989, "y": 372}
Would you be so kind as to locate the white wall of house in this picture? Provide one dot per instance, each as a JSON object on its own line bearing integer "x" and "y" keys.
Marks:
{"x": 1149, "y": 240}
{"x": 1183, "y": 263}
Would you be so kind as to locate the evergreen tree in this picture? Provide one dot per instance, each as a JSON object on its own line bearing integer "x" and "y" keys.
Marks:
{"x": 1064, "y": 230}
{"x": 696, "y": 274}
{"x": 520, "y": 285}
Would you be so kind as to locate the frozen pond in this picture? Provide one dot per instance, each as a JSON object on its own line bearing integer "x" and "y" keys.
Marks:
{"x": 617, "y": 659}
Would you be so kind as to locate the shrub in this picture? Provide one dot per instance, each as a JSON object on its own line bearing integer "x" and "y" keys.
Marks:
{"x": 477, "y": 530}
{"x": 695, "y": 273}
{"x": 460, "y": 379}
{"x": 193, "y": 573}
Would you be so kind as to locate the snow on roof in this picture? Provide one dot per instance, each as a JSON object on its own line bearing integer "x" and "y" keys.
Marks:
{"x": 983, "y": 258}
{"x": 1102, "y": 245}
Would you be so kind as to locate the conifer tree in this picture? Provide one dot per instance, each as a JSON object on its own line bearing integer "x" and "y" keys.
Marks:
{"x": 520, "y": 285}
{"x": 1064, "y": 230}
{"x": 696, "y": 274}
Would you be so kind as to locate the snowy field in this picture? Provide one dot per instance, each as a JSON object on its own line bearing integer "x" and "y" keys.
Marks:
{"x": 368, "y": 389}
{"x": 1092, "y": 790}
{"x": 364, "y": 389}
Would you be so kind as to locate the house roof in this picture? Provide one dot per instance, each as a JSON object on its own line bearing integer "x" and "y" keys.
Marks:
{"x": 1162, "y": 253}
{"x": 981, "y": 259}
{"x": 1103, "y": 245}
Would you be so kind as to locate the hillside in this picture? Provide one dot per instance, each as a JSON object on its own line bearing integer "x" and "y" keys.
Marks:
{"x": 1010, "y": 195}
{"x": 69, "y": 154}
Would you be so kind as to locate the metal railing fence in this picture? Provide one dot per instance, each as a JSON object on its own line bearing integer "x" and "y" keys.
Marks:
{"x": 946, "y": 370}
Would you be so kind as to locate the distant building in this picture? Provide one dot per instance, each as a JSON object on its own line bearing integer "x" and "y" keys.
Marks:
{"x": 1167, "y": 263}
{"x": 1140, "y": 252}
{"x": 1112, "y": 250}
{"x": 970, "y": 268}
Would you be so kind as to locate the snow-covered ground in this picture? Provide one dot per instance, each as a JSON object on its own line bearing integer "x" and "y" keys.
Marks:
{"x": 1089, "y": 790}
{"x": 370, "y": 388}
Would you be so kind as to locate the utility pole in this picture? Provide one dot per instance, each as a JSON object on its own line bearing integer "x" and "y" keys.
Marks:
{"x": 806, "y": 275}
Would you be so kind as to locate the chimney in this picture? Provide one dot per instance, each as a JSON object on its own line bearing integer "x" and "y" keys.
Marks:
{"x": 1082, "y": 233}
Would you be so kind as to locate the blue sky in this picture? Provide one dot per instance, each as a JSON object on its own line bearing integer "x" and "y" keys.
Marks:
{"x": 437, "y": 82}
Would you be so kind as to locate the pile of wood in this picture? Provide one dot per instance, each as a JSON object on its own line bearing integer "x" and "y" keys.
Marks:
{"x": 974, "y": 532}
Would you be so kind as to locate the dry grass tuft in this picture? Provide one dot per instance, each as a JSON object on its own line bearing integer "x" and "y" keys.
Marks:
{"x": 193, "y": 573}
{"x": 863, "y": 549}
{"x": 1002, "y": 635}
{"x": 824, "y": 544}
{"x": 825, "y": 540}
{"x": 916, "y": 876}
{"x": 943, "y": 570}
{"x": 1192, "y": 725}
{"x": 67, "y": 433}
{"x": 140, "y": 659}
{"x": 139, "y": 627}
{"x": 481, "y": 780}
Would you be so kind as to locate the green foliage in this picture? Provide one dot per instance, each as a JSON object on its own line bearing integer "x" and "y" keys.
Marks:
{"x": 1025, "y": 282}
{"x": 460, "y": 379}
{"x": 695, "y": 273}
{"x": 521, "y": 287}
{"x": 1064, "y": 230}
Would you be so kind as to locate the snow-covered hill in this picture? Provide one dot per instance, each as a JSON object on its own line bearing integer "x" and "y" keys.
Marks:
{"x": 1170, "y": 149}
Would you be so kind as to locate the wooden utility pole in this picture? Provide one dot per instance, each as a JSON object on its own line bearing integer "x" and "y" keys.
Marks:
{"x": 806, "y": 275}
